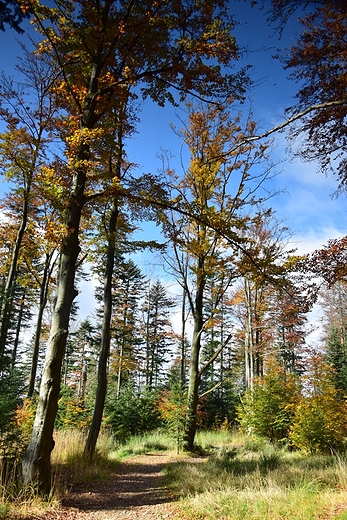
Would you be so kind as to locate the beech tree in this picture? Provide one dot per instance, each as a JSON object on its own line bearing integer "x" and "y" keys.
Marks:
{"x": 100, "y": 46}
{"x": 28, "y": 112}
{"x": 214, "y": 226}
{"x": 272, "y": 314}
{"x": 113, "y": 150}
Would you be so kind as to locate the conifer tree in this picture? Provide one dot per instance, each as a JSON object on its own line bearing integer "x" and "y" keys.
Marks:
{"x": 158, "y": 334}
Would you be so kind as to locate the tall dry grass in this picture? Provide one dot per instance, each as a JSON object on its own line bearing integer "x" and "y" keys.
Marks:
{"x": 69, "y": 466}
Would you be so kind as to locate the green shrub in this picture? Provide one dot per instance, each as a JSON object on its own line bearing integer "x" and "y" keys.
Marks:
{"x": 132, "y": 413}
{"x": 320, "y": 421}
{"x": 267, "y": 409}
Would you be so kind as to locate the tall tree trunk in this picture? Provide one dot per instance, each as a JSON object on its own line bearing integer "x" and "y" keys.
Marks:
{"x": 42, "y": 304}
{"x": 105, "y": 338}
{"x": 194, "y": 378}
{"x": 36, "y": 467}
{"x": 7, "y": 297}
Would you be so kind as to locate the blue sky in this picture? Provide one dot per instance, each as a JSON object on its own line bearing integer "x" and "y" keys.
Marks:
{"x": 306, "y": 205}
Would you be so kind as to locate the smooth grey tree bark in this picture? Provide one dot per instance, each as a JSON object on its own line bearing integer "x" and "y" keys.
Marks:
{"x": 36, "y": 465}
{"x": 194, "y": 377}
{"x": 105, "y": 337}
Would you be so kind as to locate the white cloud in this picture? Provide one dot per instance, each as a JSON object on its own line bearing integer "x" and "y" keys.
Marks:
{"x": 315, "y": 238}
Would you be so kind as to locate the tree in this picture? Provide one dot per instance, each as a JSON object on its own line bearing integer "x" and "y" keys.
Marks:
{"x": 267, "y": 408}
{"x": 28, "y": 111}
{"x": 218, "y": 391}
{"x": 333, "y": 301}
{"x": 13, "y": 12}
{"x": 318, "y": 62}
{"x": 212, "y": 226}
{"x": 128, "y": 291}
{"x": 329, "y": 262}
{"x": 290, "y": 308}
{"x": 43, "y": 278}
{"x": 115, "y": 162}
{"x": 154, "y": 47}
{"x": 266, "y": 304}
{"x": 336, "y": 351}
{"x": 132, "y": 413}
{"x": 158, "y": 334}
{"x": 319, "y": 424}
{"x": 80, "y": 358}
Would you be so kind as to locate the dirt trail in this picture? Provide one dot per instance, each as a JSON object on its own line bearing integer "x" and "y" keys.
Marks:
{"x": 134, "y": 493}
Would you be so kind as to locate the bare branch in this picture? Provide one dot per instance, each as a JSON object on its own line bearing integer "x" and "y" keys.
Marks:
{"x": 212, "y": 358}
{"x": 210, "y": 390}
{"x": 287, "y": 122}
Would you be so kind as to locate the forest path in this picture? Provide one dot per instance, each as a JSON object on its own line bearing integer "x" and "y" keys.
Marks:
{"x": 135, "y": 492}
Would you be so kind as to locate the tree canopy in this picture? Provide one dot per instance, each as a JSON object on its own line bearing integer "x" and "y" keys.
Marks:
{"x": 12, "y": 13}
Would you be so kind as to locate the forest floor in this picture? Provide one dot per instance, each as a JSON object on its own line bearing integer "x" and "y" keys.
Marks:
{"x": 135, "y": 492}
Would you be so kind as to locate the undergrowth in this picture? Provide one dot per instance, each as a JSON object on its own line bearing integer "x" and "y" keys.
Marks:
{"x": 238, "y": 477}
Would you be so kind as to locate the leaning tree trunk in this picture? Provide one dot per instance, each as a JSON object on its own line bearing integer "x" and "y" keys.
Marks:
{"x": 105, "y": 339}
{"x": 36, "y": 466}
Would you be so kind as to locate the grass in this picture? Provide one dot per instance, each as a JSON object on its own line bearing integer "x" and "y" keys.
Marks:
{"x": 150, "y": 442}
{"x": 247, "y": 478}
{"x": 239, "y": 477}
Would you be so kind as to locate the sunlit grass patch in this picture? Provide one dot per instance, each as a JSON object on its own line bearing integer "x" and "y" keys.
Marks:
{"x": 268, "y": 503}
{"x": 147, "y": 443}
{"x": 214, "y": 439}
{"x": 255, "y": 480}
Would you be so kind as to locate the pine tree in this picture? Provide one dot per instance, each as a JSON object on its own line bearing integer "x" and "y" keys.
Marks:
{"x": 333, "y": 300}
{"x": 158, "y": 334}
{"x": 127, "y": 354}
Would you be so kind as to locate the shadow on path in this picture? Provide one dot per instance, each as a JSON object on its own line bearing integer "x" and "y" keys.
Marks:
{"x": 136, "y": 484}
